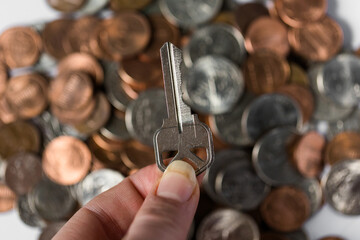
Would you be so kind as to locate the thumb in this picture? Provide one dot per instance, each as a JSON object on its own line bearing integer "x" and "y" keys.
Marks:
{"x": 169, "y": 209}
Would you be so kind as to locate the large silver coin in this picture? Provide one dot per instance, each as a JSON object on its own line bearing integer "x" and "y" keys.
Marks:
{"x": 270, "y": 111}
{"x": 271, "y": 160}
{"x": 145, "y": 115}
{"x": 340, "y": 80}
{"x": 228, "y": 224}
{"x": 342, "y": 187}
{"x": 97, "y": 182}
{"x": 27, "y": 213}
{"x": 216, "y": 39}
{"x": 213, "y": 85}
{"x": 186, "y": 14}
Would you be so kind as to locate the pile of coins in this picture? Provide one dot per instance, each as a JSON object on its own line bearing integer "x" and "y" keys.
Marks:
{"x": 81, "y": 97}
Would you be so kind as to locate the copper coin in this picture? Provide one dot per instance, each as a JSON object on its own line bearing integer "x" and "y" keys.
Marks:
{"x": 298, "y": 75}
{"x": 66, "y": 5}
{"x": 7, "y": 114}
{"x": 137, "y": 155}
{"x": 18, "y": 137}
{"x": 285, "y": 209}
{"x": 79, "y": 34}
{"x": 226, "y": 17}
{"x": 265, "y": 71}
{"x": 141, "y": 75}
{"x": 97, "y": 42}
{"x": 7, "y": 198}
{"x": 162, "y": 31}
{"x": 27, "y": 95}
{"x": 3, "y": 78}
{"x": 127, "y": 34}
{"x": 98, "y": 118}
{"x": 66, "y": 160}
{"x": 299, "y": 13}
{"x": 308, "y": 154}
{"x": 23, "y": 172}
{"x": 246, "y": 13}
{"x": 129, "y": 91}
{"x": 331, "y": 238}
{"x": 267, "y": 33}
{"x": 317, "y": 41}
{"x": 120, "y": 5}
{"x": 303, "y": 96}
{"x": 53, "y": 37}
{"x": 82, "y": 62}
{"x": 21, "y": 46}
{"x": 344, "y": 146}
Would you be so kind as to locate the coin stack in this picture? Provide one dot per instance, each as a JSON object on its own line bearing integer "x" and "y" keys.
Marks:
{"x": 82, "y": 97}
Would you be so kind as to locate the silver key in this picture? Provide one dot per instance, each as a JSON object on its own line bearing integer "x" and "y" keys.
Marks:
{"x": 181, "y": 132}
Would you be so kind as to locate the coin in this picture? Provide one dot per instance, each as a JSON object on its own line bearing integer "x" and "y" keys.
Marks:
{"x": 136, "y": 155}
{"x": 92, "y": 7}
{"x": 7, "y": 198}
{"x": 29, "y": 52}
{"x": 271, "y": 159}
{"x": 345, "y": 145}
{"x": 246, "y": 13}
{"x": 66, "y": 6}
{"x": 297, "y": 235}
{"x": 97, "y": 42}
{"x": 7, "y": 115}
{"x": 226, "y": 17}
{"x": 298, "y": 14}
{"x": 50, "y": 230}
{"x": 189, "y": 14}
{"x": 308, "y": 154}
{"x": 23, "y": 172}
{"x": 265, "y": 71}
{"x": 3, "y": 166}
{"x": 18, "y": 137}
{"x": 228, "y": 224}
{"x": 115, "y": 128}
{"x": 27, "y": 95}
{"x": 95, "y": 183}
{"x": 317, "y": 41}
{"x": 3, "y": 78}
{"x": 285, "y": 209}
{"x": 350, "y": 123}
{"x": 331, "y": 238}
{"x": 341, "y": 187}
{"x": 273, "y": 236}
{"x": 66, "y": 160}
{"x": 258, "y": 37}
{"x": 213, "y": 85}
{"x": 215, "y": 39}
{"x": 145, "y": 115}
{"x": 120, "y": 5}
{"x": 268, "y": 112}
{"x": 313, "y": 191}
{"x": 27, "y": 213}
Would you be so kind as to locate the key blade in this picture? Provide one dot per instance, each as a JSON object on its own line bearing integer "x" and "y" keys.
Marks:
{"x": 178, "y": 111}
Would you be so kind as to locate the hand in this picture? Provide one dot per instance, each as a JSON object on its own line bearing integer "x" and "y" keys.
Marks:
{"x": 146, "y": 205}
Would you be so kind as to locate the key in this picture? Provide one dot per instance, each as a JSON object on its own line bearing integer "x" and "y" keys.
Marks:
{"x": 182, "y": 132}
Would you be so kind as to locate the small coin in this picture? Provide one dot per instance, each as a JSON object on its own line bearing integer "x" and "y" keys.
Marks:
{"x": 259, "y": 38}
{"x": 271, "y": 159}
{"x": 23, "y": 172}
{"x": 308, "y": 154}
{"x": 341, "y": 187}
{"x": 136, "y": 155}
{"x": 29, "y": 52}
{"x": 285, "y": 209}
{"x": 265, "y": 71}
{"x": 246, "y": 13}
{"x": 50, "y": 230}
{"x": 18, "y": 137}
{"x": 345, "y": 145}
{"x": 66, "y": 6}
{"x": 27, "y": 95}
{"x": 115, "y": 128}
{"x": 267, "y": 112}
{"x": 97, "y": 182}
{"x": 228, "y": 224}
{"x": 82, "y": 62}
{"x": 213, "y": 85}
{"x": 7, "y": 114}
{"x": 98, "y": 42}
{"x": 298, "y": 75}
{"x": 145, "y": 115}
{"x": 49, "y": 126}
{"x": 317, "y": 41}
{"x": 215, "y": 39}
{"x": 7, "y": 198}
{"x": 298, "y": 14}
{"x": 27, "y": 212}
{"x": 189, "y": 14}
{"x": 66, "y": 160}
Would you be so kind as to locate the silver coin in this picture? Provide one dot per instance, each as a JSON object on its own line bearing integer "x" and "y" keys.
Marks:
{"x": 115, "y": 128}
{"x": 215, "y": 39}
{"x": 97, "y": 182}
{"x": 3, "y": 165}
{"x": 51, "y": 201}
{"x": 270, "y": 111}
{"x": 185, "y": 13}
{"x": 350, "y": 123}
{"x": 49, "y": 126}
{"x": 114, "y": 91}
{"x": 228, "y": 126}
{"x": 92, "y": 7}
{"x": 297, "y": 235}
{"x": 50, "y": 231}
{"x": 228, "y": 224}
{"x": 271, "y": 159}
{"x": 46, "y": 64}
{"x": 239, "y": 186}
{"x": 341, "y": 187}
{"x": 213, "y": 85}
{"x": 313, "y": 190}
{"x": 145, "y": 115}
{"x": 27, "y": 214}
{"x": 340, "y": 80}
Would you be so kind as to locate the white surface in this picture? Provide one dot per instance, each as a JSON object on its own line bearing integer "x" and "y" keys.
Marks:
{"x": 325, "y": 222}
